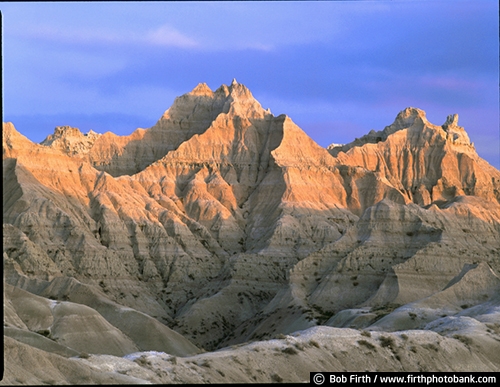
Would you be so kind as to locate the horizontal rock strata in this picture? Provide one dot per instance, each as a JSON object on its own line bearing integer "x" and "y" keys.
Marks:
{"x": 223, "y": 224}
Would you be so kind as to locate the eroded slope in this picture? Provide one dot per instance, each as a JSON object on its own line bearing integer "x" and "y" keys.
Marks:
{"x": 226, "y": 223}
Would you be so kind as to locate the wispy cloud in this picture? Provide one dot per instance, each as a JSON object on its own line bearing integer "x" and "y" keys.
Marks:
{"x": 450, "y": 83}
{"x": 165, "y": 36}
{"x": 325, "y": 64}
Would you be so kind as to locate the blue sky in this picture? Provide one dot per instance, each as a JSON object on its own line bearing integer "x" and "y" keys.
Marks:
{"x": 338, "y": 69}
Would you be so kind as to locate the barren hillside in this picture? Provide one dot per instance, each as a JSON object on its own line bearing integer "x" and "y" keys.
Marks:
{"x": 224, "y": 226}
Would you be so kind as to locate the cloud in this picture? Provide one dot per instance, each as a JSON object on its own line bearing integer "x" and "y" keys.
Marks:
{"x": 167, "y": 36}
{"x": 451, "y": 83}
{"x": 46, "y": 33}
{"x": 164, "y": 35}
{"x": 325, "y": 64}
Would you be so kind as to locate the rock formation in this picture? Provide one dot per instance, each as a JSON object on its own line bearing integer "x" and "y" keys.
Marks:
{"x": 223, "y": 224}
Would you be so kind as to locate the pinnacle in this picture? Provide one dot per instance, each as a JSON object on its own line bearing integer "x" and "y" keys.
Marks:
{"x": 201, "y": 89}
{"x": 66, "y": 130}
{"x": 451, "y": 120}
{"x": 456, "y": 133}
{"x": 237, "y": 89}
{"x": 411, "y": 112}
{"x": 406, "y": 118}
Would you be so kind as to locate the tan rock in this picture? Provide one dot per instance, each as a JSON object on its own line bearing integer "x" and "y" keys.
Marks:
{"x": 227, "y": 224}
{"x": 425, "y": 162}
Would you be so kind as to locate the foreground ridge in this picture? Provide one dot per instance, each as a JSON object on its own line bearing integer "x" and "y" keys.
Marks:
{"x": 223, "y": 224}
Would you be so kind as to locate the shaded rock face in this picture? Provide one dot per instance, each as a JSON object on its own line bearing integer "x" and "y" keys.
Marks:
{"x": 224, "y": 223}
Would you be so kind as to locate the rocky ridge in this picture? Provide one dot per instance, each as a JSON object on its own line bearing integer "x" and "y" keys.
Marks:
{"x": 223, "y": 224}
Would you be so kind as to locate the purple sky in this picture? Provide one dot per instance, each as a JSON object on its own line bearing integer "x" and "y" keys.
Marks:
{"x": 338, "y": 69}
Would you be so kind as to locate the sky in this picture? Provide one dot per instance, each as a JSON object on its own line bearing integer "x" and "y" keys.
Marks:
{"x": 337, "y": 68}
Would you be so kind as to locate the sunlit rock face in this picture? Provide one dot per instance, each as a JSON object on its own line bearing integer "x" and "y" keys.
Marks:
{"x": 425, "y": 162}
{"x": 223, "y": 223}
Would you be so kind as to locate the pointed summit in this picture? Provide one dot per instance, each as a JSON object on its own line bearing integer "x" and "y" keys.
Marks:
{"x": 455, "y": 133}
{"x": 70, "y": 140}
{"x": 11, "y": 139}
{"x": 426, "y": 162}
{"x": 202, "y": 89}
{"x": 238, "y": 90}
{"x": 241, "y": 101}
{"x": 406, "y": 118}
{"x": 409, "y": 117}
{"x": 452, "y": 119}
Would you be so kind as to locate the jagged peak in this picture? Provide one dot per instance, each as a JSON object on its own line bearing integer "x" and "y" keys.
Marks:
{"x": 411, "y": 112}
{"x": 410, "y": 117}
{"x": 240, "y": 101}
{"x": 202, "y": 89}
{"x": 406, "y": 118}
{"x": 185, "y": 104}
{"x": 11, "y": 135}
{"x": 452, "y": 119}
{"x": 455, "y": 133}
{"x": 62, "y": 132}
{"x": 222, "y": 90}
{"x": 66, "y": 132}
{"x": 235, "y": 90}
{"x": 235, "y": 98}
{"x": 71, "y": 140}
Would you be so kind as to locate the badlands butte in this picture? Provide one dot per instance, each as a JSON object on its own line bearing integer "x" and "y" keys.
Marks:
{"x": 224, "y": 245}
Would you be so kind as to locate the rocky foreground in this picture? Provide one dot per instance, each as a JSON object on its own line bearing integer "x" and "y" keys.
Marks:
{"x": 224, "y": 245}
